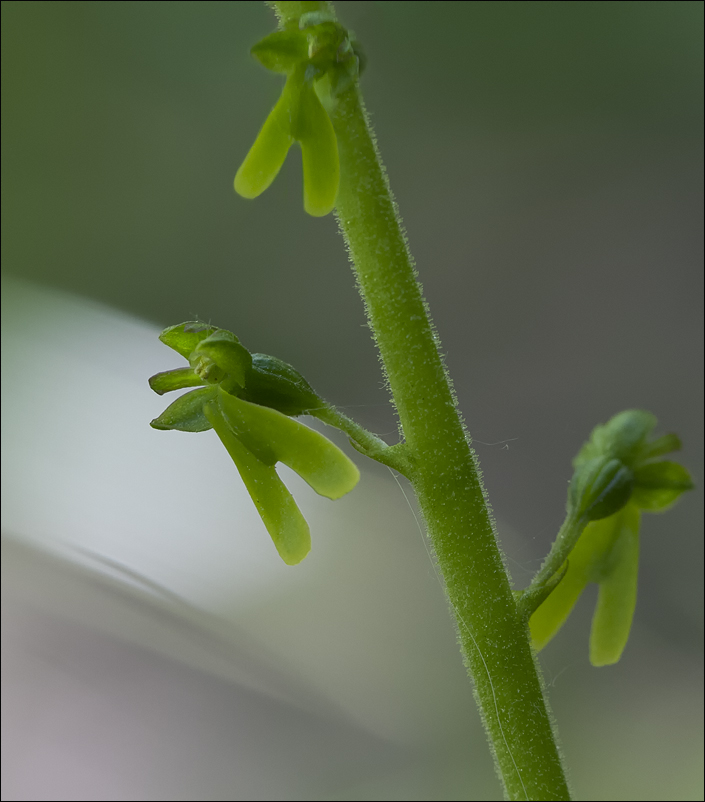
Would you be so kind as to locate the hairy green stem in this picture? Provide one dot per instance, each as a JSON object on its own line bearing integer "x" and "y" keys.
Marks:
{"x": 365, "y": 442}
{"x": 493, "y": 635}
{"x": 565, "y": 541}
{"x": 289, "y": 11}
{"x": 492, "y": 631}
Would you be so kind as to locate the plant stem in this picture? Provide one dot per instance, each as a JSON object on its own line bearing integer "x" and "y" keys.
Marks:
{"x": 564, "y": 543}
{"x": 492, "y": 632}
{"x": 493, "y": 636}
{"x": 366, "y": 442}
{"x": 289, "y": 11}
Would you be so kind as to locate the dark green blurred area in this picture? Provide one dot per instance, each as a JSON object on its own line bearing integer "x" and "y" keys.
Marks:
{"x": 547, "y": 160}
{"x": 124, "y": 122}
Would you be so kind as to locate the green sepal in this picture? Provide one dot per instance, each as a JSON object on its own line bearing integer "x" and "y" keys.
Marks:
{"x": 281, "y": 51}
{"x": 657, "y": 448}
{"x": 281, "y": 516}
{"x": 266, "y": 156}
{"x": 616, "y": 597}
{"x": 186, "y": 336}
{"x": 177, "y": 379}
{"x": 589, "y": 561}
{"x": 186, "y": 413}
{"x": 274, "y": 437}
{"x": 621, "y": 437}
{"x": 657, "y": 485}
{"x": 599, "y": 488}
{"x": 319, "y": 149}
{"x": 273, "y": 383}
{"x": 226, "y": 351}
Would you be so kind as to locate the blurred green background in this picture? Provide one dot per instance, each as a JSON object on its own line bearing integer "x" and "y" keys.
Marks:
{"x": 547, "y": 161}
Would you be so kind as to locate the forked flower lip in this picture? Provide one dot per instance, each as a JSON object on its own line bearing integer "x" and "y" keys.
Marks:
{"x": 321, "y": 49}
{"x": 249, "y": 402}
{"x": 617, "y": 477}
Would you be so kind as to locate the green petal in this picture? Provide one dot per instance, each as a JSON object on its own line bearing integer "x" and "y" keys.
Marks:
{"x": 319, "y": 149}
{"x": 274, "y": 437}
{"x": 621, "y": 437}
{"x": 224, "y": 348}
{"x": 583, "y": 566}
{"x": 185, "y": 337}
{"x": 177, "y": 379}
{"x": 281, "y": 51}
{"x": 186, "y": 413}
{"x": 283, "y": 519}
{"x": 657, "y": 485}
{"x": 624, "y": 434}
{"x": 659, "y": 447}
{"x": 616, "y": 599}
{"x": 267, "y": 155}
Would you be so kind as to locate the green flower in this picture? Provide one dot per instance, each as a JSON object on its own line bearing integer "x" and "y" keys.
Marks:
{"x": 248, "y": 400}
{"x": 320, "y": 61}
{"x": 617, "y": 477}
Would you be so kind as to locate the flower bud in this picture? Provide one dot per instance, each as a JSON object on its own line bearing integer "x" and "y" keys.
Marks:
{"x": 621, "y": 437}
{"x": 599, "y": 488}
{"x": 273, "y": 383}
